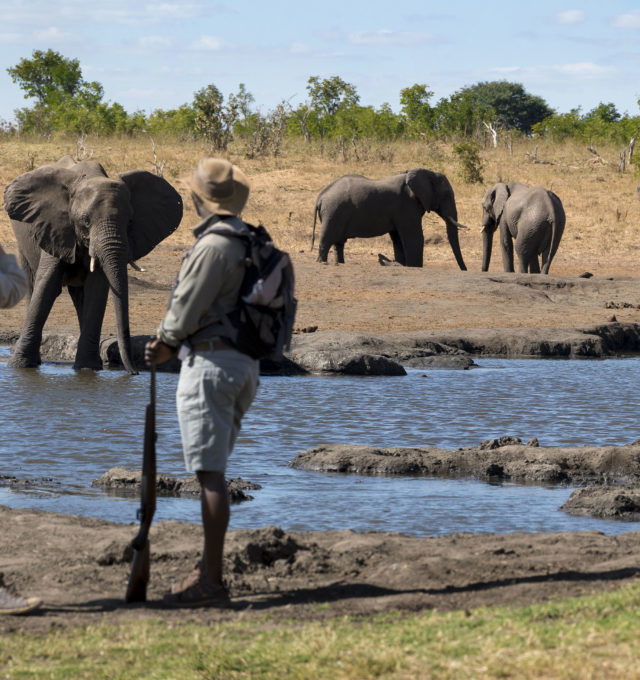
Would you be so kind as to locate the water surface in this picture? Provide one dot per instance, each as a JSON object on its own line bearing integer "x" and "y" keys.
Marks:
{"x": 73, "y": 426}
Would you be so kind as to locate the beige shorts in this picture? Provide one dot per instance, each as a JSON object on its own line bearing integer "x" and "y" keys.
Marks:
{"x": 215, "y": 389}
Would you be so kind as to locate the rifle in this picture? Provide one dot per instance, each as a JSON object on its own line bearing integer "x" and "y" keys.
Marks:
{"x": 139, "y": 575}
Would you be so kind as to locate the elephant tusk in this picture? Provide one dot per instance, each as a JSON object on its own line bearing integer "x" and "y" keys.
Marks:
{"x": 137, "y": 267}
{"x": 92, "y": 265}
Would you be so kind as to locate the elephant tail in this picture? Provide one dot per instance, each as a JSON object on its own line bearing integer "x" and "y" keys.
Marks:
{"x": 316, "y": 212}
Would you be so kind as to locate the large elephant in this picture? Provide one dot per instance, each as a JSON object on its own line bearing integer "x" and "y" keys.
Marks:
{"x": 354, "y": 206}
{"x": 78, "y": 228}
{"x": 532, "y": 216}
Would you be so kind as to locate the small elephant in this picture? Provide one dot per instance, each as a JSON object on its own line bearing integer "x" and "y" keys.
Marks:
{"x": 533, "y": 216}
{"x": 354, "y": 206}
{"x": 78, "y": 228}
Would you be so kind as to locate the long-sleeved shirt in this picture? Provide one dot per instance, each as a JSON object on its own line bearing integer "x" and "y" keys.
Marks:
{"x": 208, "y": 284}
{"x": 13, "y": 281}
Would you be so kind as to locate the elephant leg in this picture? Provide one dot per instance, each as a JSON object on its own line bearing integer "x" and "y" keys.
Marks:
{"x": 398, "y": 250}
{"x": 323, "y": 251}
{"x": 90, "y": 301}
{"x": 413, "y": 245}
{"x": 339, "y": 252}
{"x": 46, "y": 288}
{"x": 506, "y": 245}
{"x": 534, "y": 265}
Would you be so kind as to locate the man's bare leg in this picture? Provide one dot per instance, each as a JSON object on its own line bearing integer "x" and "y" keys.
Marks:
{"x": 215, "y": 520}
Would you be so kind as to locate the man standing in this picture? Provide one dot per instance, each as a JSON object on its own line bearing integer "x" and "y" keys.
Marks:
{"x": 13, "y": 286}
{"x": 217, "y": 382}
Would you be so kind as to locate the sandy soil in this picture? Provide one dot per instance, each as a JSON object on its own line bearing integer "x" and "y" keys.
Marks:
{"x": 79, "y": 566}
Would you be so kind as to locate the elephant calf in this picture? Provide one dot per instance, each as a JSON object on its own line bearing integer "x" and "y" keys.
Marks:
{"x": 533, "y": 217}
{"x": 354, "y": 206}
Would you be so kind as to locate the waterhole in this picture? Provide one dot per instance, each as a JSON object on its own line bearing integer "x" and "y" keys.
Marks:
{"x": 65, "y": 428}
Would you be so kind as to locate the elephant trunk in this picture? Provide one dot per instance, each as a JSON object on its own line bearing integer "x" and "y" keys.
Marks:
{"x": 112, "y": 253}
{"x": 452, "y": 235}
{"x": 487, "y": 243}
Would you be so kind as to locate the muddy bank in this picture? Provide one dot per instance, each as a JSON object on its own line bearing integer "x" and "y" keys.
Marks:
{"x": 119, "y": 480}
{"x": 355, "y": 353}
{"x": 494, "y": 460}
{"x": 82, "y": 566}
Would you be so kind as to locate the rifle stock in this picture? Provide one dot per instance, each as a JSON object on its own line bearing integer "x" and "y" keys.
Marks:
{"x": 139, "y": 574}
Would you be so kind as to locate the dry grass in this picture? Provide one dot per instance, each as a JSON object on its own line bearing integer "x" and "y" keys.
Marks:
{"x": 603, "y": 213}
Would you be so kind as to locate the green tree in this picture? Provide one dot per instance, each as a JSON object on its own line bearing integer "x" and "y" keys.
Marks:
{"x": 215, "y": 119}
{"x": 607, "y": 113}
{"x": 415, "y": 106}
{"x": 507, "y": 103}
{"x": 330, "y": 97}
{"x": 64, "y": 100}
{"x": 47, "y": 76}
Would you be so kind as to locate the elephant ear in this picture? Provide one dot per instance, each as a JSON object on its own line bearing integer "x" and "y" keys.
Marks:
{"x": 420, "y": 184}
{"x": 501, "y": 194}
{"x": 40, "y": 198}
{"x": 157, "y": 211}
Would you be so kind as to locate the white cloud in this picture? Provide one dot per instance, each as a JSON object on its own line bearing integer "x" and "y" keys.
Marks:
{"x": 628, "y": 20}
{"x": 570, "y": 16}
{"x": 209, "y": 43}
{"x": 299, "y": 48}
{"x": 387, "y": 37}
{"x": 52, "y": 33}
{"x": 6, "y": 38}
{"x": 584, "y": 69}
{"x": 154, "y": 41}
{"x": 175, "y": 10}
{"x": 506, "y": 69}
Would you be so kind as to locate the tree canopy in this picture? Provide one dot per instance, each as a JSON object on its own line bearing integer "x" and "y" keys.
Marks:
{"x": 65, "y": 102}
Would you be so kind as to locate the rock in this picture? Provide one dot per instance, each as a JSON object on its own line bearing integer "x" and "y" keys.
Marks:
{"x": 120, "y": 479}
{"x": 386, "y": 262}
{"x": 605, "y": 502}
{"x": 505, "y": 458}
{"x": 497, "y": 443}
{"x": 348, "y": 363}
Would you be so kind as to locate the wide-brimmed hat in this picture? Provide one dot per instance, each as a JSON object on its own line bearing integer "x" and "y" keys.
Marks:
{"x": 221, "y": 187}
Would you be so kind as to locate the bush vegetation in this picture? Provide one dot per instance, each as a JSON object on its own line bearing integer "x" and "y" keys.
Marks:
{"x": 484, "y": 112}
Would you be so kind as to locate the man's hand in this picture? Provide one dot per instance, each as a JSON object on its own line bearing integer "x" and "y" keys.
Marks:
{"x": 157, "y": 352}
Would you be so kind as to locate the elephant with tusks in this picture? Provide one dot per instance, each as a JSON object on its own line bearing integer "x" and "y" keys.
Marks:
{"x": 78, "y": 228}
{"x": 354, "y": 206}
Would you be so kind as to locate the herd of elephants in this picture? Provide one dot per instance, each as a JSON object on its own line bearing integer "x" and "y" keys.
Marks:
{"x": 79, "y": 228}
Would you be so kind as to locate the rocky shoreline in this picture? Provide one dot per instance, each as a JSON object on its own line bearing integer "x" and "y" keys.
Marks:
{"x": 354, "y": 353}
{"x": 609, "y": 475}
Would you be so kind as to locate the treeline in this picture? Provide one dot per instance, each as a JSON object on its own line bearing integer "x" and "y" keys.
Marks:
{"x": 65, "y": 102}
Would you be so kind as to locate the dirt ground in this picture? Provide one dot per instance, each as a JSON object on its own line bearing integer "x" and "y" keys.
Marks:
{"x": 79, "y": 566}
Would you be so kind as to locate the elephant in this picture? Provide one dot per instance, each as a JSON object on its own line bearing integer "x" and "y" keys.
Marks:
{"x": 533, "y": 216}
{"x": 354, "y": 206}
{"x": 78, "y": 228}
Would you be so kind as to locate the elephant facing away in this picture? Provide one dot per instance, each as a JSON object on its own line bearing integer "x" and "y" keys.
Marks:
{"x": 354, "y": 206}
{"x": 533, "y": 217}
{"x": 78, "y": 228}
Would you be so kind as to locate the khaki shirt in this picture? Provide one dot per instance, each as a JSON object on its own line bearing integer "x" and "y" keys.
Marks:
{"x": 208, "y": 284}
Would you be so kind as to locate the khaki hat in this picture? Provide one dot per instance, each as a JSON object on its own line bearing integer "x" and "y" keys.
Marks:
{"x": 221, "y": 186}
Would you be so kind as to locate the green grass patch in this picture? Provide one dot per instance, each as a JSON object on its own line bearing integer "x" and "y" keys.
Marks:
{"x": 586, "y": 637}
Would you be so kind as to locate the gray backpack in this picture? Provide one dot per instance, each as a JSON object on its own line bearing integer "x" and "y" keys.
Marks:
{"x": 261, "y": 323}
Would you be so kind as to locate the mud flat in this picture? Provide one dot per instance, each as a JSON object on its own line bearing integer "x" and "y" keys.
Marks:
{"x": 79, "y": 567}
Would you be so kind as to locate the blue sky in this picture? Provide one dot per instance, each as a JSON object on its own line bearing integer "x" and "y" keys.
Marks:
{"x": 150, "y": 55}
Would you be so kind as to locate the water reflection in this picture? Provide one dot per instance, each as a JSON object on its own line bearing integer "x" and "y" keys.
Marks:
{"x": 72, "y": 427}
